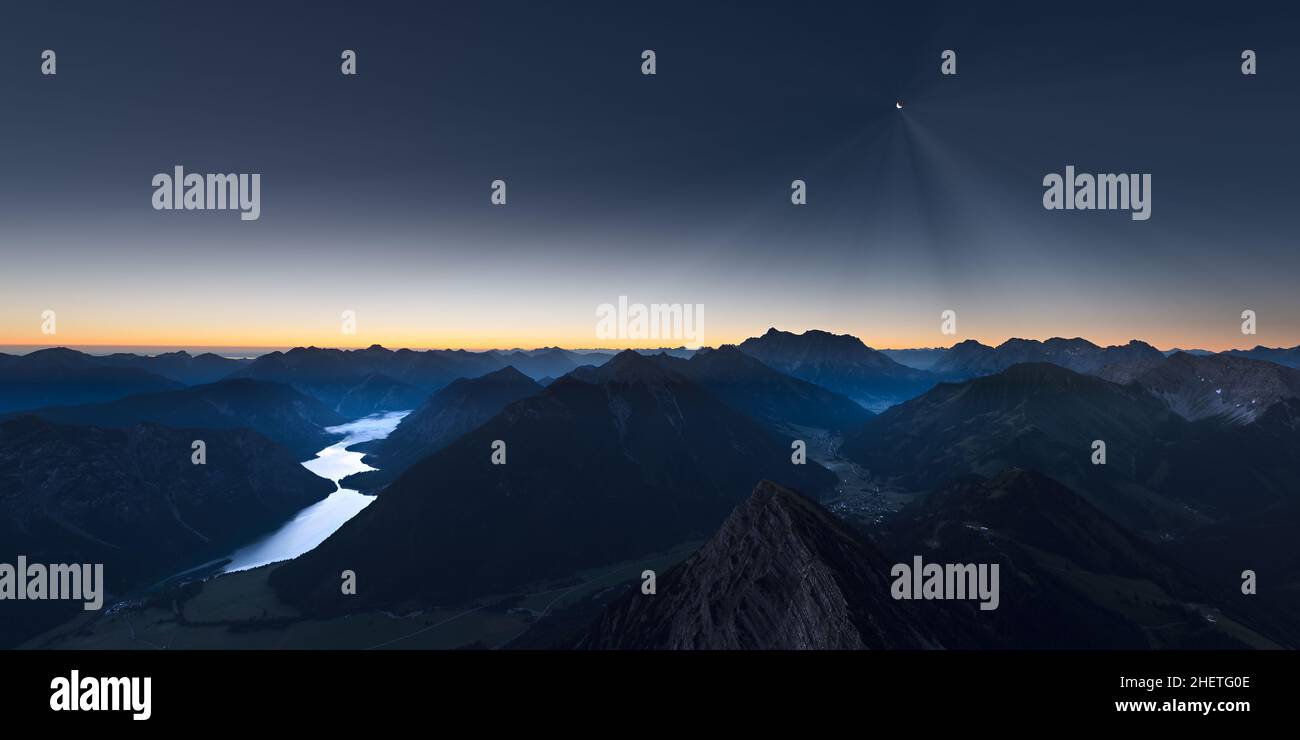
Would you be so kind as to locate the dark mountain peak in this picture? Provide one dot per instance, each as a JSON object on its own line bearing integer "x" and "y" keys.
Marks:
{"x": 729, "y": 353}
{"x": 969, "y": 344}
{"x": 507, "y": 374}
{"x": 722, "y": 349}
{"x": 781, "y": 573}
{"x": 630, "y": 366}
{"x": 771, "y": 396}
{"x": 808, "y": 337}
{"x": 1078, "y": 342}
{"x": 1035, "y": 415}
{"x": 1034, "y": 373}
{"x": 56, "y": 357}
{"x": 773, "y": 505}
{"x": 443, "y": 417}
{"x": 1024, "y": 380}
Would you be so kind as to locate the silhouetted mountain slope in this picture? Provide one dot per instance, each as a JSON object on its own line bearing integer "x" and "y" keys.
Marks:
{"x": 970, "y": 359}
{"x": 781, "y": 573}
{"x": 132, "y": 500}
{"x": 840, "y": 363}
{"x": 1290, "y": 357}
{"x": 553, "y": 362}
{"x": 1237, "y": 388}
{"x": 770, "y": 396}
{"x": 1038, "y": 416}
{"x": 375, "y": 393}
{"x": 1163, "y": 474}
{"x": 362, "y": 382}
{"x": 1264, "y": 543}
{"x": 917, "y": 359}
{"x": 179, "y": 366}
{"x": 632, "y": 459}
{"x": 446, "y": 415}
{"x": 1248, "y": 478}
{"x": 1224, "y": 468}
{"x": 62, "y": 376}
{"x": 1070, "y": 576}
{"x": 275, "y": 410}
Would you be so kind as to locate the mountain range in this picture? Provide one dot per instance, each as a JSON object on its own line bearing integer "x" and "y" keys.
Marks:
{"x": 498, "y": 484}
{"x": 62, "y": 376}
{"x": 782, "y": 401}
{"x": 459, "y": 408}
{"x": 616, "y": 462}
{"x": 970, "y": 359}
{"x": 1071, "y": 576}
{"x": 781, "y": 573}
{"x": 273, "y": 409}
{"x": 840, "y": 363}
{"x": 132, "y": 500}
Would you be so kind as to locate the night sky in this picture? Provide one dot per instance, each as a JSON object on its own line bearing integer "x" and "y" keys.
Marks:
{"x": 671, "y": 188}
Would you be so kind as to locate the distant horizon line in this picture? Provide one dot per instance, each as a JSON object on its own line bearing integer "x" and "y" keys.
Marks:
{"x": 154, "y": 349}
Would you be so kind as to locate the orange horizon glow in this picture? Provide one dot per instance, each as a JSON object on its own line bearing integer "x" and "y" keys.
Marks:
{"x": 474, "y": 341}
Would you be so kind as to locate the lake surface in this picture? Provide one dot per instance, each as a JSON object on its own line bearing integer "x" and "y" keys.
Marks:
{"x": 313, "y": 524}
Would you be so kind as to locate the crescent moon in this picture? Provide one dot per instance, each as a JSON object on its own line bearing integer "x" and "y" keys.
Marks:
{"x": 898, "y": 105}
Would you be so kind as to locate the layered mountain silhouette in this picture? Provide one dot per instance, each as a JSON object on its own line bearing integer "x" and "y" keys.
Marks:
{"x": 781, "y": 573}
{"x": 1163, "y": 473}
{"x": 970, "y": 359}
{"x": 922, "y": 358}
{"x": 624, "y": 460}
{"x": 841, "y": 363}
{"x": 179, "y": 366}
{"x": 1224, "y": 469}
{"x": 1038, "y": 416}
{"x": 63, "y": 376}
{"x": 439, "y": 421}
{"x": 552, "y": 362}
{"x": 782, "y": 401}
{"x": 1071, "y": 576}
{"x": 132, "y": 500}
{"x": 1289, "y": 357}
{"x": 360, "y": 382}
{"x": 357, "y": 382}
{"x": 1230, "y": 386}
{"x": 275, "y": 410}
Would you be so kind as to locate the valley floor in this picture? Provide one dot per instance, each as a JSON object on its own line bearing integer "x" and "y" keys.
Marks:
{"x": 859, "y": 497}
{"x": 239, "y": 611}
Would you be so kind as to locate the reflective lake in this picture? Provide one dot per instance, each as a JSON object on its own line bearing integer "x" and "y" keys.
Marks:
{"x": 313, "y": 524}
